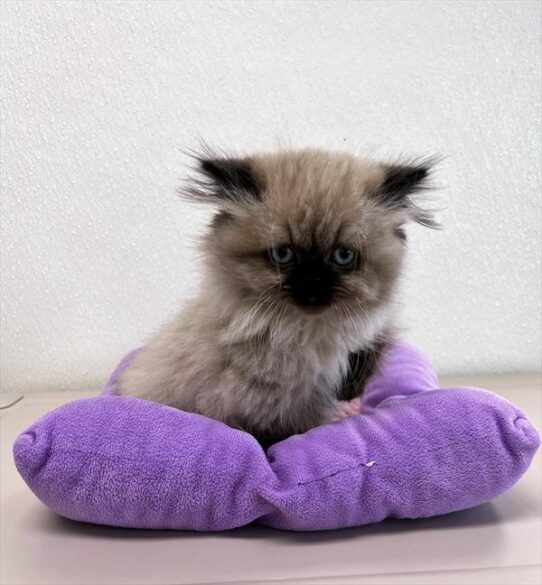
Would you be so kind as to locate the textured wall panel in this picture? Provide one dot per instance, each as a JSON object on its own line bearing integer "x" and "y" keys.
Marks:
{"x": 101, "y": 98}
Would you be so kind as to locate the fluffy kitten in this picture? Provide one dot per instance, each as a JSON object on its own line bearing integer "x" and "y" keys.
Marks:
{"x": 296, "y": 306}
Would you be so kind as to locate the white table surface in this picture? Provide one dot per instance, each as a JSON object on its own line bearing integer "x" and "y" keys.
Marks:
{"x": 497, "y": 543}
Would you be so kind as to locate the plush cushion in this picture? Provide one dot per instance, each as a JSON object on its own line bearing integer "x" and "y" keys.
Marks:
{"x": 416, "y": 451}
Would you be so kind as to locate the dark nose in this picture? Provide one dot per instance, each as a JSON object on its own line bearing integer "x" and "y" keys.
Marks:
{"x": 312, "y": 285}
{"x": 313, "y": 280}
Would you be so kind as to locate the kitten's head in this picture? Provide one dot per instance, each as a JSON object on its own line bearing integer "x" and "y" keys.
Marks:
{"x": 309, "y": 231}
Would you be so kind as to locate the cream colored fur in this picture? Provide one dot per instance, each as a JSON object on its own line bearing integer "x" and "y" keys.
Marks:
{"x": 242, "y": 353}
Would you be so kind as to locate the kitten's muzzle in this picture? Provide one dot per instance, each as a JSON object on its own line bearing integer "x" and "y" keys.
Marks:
{"x": 311, "y": 284}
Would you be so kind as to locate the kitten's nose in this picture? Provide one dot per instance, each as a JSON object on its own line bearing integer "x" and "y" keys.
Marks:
{"x": 312, "y": 290}
{"x": 313, "y": 279}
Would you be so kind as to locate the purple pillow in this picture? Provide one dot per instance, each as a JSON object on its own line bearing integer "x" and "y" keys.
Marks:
{"x": 416, "y": 451}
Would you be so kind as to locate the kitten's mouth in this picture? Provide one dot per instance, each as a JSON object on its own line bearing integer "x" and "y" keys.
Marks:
{"x": 307, "y": 303}
{"x": 311, "y": 305}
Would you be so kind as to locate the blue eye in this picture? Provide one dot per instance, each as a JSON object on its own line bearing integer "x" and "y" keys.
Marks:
{"x": 282, "y": 255}
{"x": 343, "y": 256}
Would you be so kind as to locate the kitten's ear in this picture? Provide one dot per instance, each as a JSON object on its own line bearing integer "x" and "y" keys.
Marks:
{"x": 402, "y": 182}
{"x": 223, "y": 180}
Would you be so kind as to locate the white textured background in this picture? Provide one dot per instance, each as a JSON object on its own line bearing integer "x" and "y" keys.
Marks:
{"x": 100, "y": 99}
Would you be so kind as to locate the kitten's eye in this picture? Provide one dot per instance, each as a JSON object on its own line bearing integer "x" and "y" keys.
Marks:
{"x": 282, "y": 255}
{"x": 343, "y": 256}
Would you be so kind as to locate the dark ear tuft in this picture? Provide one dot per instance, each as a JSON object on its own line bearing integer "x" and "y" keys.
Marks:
{"x": 223, "y": 180}
{"x": 401, "y": 183}
{"x": 231, "y": 174}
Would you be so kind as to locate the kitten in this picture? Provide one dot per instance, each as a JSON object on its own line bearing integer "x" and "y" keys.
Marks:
{"x": 296, "y": 307}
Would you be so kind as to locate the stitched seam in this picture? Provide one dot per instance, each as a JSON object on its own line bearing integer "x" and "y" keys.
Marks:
{"x": 351, "y": 468}
{"x": 308, "y": 482}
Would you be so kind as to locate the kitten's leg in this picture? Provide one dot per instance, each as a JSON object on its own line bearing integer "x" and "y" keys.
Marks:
{"x": 362, "y": 365}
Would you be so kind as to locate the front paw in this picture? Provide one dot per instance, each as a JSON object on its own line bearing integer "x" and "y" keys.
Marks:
{"x": 345, "y": 409}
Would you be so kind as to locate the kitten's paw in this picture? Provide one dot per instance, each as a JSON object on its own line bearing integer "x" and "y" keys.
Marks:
{"x": 346, "y": 409}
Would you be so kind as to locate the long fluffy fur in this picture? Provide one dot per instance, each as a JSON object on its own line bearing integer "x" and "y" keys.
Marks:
{"x": 243, "y": 352}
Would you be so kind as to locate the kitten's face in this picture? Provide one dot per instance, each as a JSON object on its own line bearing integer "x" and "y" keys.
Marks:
{"x": 307, "y": 231}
